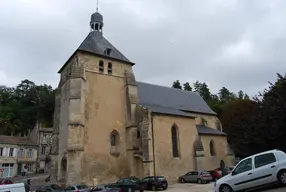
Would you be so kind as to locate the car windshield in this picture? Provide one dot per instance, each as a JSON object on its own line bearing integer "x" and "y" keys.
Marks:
{"x": 55, "y": 187}
{"x": 136, "y": 180}
{"x": 79, "y": 187}
{"x": 161, "y": 178}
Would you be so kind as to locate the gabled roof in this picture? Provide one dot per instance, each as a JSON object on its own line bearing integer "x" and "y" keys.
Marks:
{"x": 170, "y": 100}
{"x": 96, "y": 44}
{"x": 204, "y": 130}
{"x": 4, "y": 139}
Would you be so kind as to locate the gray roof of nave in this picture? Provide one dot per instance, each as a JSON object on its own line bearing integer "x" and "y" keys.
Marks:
{"x": 171, "y": 101}
{"x": 205, "y": 130}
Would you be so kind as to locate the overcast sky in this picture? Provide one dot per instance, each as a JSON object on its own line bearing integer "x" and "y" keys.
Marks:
{"x": 239, "y": 44}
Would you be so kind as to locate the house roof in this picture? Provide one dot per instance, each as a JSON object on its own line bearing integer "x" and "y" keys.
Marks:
{"x": 170, "y": 100}
{"x": 95, "y": 43}
{"x": 4, "y": 139}
{"x": 204, "y": 130}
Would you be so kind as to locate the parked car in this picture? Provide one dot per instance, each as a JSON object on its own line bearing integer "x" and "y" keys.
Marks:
{"x": 226, "y": 170}
{"x": 196, "y": 177}
{"x": 50, "y": 188}
{"x": 104, "y": 188}
{"x": 155, "y": 182}
{"x": 216, "y": 174}
{"x": 19, "y": 187}
{"x": 5, "y": 182}
{"x": 255, "y": 171}
{"x": 128, "y": 184}
{"x": 77, "y": 188}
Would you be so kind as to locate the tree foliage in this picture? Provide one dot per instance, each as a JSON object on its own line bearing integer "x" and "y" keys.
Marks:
{"x": 187, "y": 86}
{"x": 22, "y": 106}
{"x": 177, "y": 84}
{"x": 258, "y": 125}
{"x": 253, "y": 125}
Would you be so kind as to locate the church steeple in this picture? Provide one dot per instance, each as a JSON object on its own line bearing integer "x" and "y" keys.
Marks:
{"x": 96, "y": 21}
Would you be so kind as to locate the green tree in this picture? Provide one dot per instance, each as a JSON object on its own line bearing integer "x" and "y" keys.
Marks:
{"x": 273, "y": 118}
{"x": 203, "y": 90}
{"x": 177, "y": 84}
{"x": 187, "y": 86}
{"x": 239, "y": 119}
{"x": 240, "y": 94}
{"x": 24, "y": 105}
{"x": 225, "y": 95}
{"x": 246, "y": 96}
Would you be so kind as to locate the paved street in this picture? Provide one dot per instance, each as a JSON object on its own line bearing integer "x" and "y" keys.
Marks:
{"x": 209, "y": 188}
{"x": 39, "y": 180}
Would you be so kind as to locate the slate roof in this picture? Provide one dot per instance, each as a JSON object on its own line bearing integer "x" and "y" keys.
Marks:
{"x": 95, "y": 43}
{"x": 204, "y": 130}
{"x": 172, "y": 101}
{"x": 4, "y": 139}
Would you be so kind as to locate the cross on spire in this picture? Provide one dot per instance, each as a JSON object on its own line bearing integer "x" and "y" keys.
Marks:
{"x": 96, "y": 5}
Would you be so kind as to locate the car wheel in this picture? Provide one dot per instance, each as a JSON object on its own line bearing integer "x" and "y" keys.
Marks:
{"x": 225, "y": 188}
{"x": 282, "y": 177}
{"x": 153, "y": 188}
{"x": 199, "y": 181}
{"x": 164, "y": 188}
{"x": 182, "y": 180}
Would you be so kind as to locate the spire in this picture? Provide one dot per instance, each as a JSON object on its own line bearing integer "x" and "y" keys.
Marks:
{"x": 96, "y": 21}
{"x": 96, "y": 5}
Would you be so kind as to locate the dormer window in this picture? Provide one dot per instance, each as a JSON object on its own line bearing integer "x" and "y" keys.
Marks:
{"x": 107, "y": 51}
{"x": 101, "y": 66}
{"x": 109, "y": 69}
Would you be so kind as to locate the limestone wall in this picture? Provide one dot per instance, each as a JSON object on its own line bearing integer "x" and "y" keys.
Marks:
{"x": 105, "y": 106}
{"x": 167, "y": 165}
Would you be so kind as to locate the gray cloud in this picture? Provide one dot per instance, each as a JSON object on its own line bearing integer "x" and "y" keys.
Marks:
{"x": 237, "y": 44}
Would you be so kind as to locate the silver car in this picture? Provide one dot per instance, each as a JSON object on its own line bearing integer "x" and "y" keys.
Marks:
{"x": 196, "y": 177}
{"x": 77, "y": 188}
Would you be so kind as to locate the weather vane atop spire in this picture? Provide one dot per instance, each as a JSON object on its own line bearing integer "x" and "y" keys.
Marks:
{"x": 96, "y": 5}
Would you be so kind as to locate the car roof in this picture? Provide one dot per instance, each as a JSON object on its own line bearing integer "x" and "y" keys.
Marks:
{"x": 153, "y": 176}
{"x": 262, "y": 153}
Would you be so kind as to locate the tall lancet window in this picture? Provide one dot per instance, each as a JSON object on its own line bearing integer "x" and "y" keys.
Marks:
{"x": 175, "y": 143}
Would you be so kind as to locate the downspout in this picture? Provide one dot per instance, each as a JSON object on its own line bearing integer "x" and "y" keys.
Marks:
{"x": 153, "y": 145}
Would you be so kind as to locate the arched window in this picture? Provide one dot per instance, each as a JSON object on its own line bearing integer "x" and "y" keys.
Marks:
{"x": 101, "y": 66}
{"x": 175, "y": 144}
{"x": 218, "y": 127}
{"x": 114, "y": 138}
{"x": 212, "y": 148}
{"x": 109, "y": 69}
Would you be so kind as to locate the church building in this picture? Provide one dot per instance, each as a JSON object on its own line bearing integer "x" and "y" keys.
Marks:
{"x": 107, "y": 125}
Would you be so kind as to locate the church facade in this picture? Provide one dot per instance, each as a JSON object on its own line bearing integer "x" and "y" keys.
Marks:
{"x": 107, "y": 125}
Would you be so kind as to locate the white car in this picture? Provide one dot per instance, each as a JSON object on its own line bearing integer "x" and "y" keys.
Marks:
{"x": 254, "y": 171}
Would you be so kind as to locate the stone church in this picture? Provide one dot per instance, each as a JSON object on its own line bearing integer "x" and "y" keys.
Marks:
{"x": 107, "y": 125}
